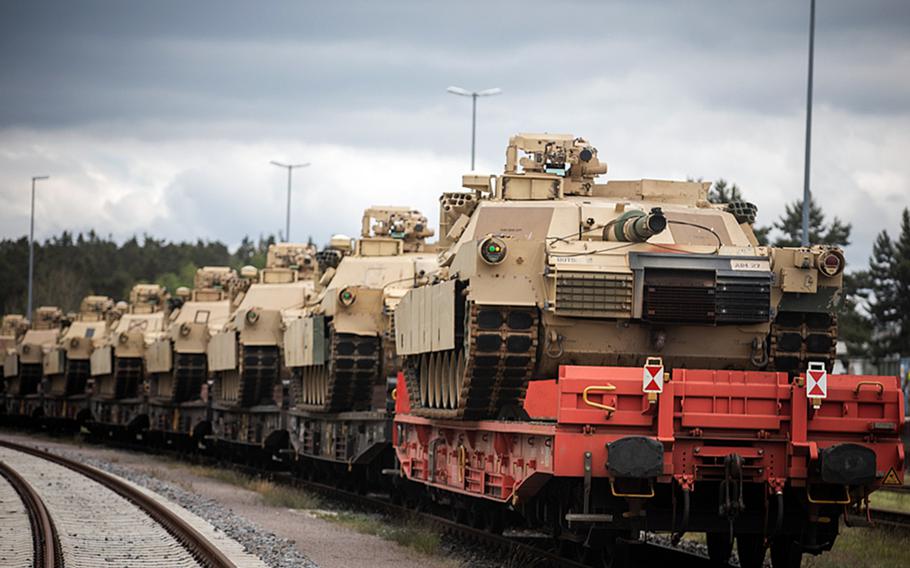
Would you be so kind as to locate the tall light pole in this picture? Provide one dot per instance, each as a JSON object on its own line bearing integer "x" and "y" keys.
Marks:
{"x": 290, "y": 168}
{"x": 31, "y": 248}
{"x": 473, "y": 94}
{"x": 806, "y": 193}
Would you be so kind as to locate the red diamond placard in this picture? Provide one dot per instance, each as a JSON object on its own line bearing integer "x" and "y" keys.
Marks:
{"x": 817, "y": 381}
{"x": 653, "y": 380}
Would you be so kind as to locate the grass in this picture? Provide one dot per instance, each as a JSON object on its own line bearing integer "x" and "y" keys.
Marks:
{"x": 864, "y": 547}
{"x": 272, "y": 494}
{"x": 410, "y": 533}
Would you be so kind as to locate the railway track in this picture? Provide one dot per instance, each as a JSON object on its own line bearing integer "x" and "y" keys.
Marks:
{"x": 514, "y": 551}
{"x": 891, "y": 518}
{"x": 517, "y": 553}
{"x": 39, "y": 528}
{"x": 194, "y": 548}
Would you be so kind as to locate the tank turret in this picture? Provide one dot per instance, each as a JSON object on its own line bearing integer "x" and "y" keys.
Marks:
{"x": 546, "y": 266}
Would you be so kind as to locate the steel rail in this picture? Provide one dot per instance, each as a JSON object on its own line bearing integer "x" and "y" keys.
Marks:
{"x": 204, "y": 551}
{"x": 891, "y": 519}
{"x": 47, "y": 551}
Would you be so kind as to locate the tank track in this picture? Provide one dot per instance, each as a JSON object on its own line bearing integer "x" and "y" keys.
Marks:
{"x": 29, "y": 378}
{"x": 127, "y": 377}
{"x": 77, "y": 374}
{"x": 190, "y": 372}
{"x": 798, "y": 338}
{"x": 346, "y": 380}
{"x": 258, "y": 375}
{"x": 492, "y": 370}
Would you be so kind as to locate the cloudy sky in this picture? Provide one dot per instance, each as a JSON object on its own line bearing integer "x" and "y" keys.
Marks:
{"x": 162, "y": 117}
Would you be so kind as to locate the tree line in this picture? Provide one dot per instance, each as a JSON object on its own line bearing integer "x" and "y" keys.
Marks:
{"x": 69, "y": 267}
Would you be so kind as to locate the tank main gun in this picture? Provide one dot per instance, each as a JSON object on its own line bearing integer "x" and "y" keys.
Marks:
{"x": 635, "y": 226}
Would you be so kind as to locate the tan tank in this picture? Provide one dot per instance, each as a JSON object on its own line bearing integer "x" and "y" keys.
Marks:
{"x": 344, "y": 350}
{"x": 119, "y": 364}
{"x": 246, "y": 354}
{"x": 547, "y": 267}
{"x": 67, "y": 364}
{"x": 12, "y": 328}
{"x": 177, "y": 362}
{"x": 23, "y": 368}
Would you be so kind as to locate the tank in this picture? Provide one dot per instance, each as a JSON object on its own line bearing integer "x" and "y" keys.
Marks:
{"x": 344, "y": 350}
{"x": 119, "y": 366}
{"x": 246, "y": 354}
{"x": 177, "y": 363}
{"x": 545, "y": 266}
{"x": 67, "y": 365}
{"x": 12, "y": 328}
{"x": 24, "y": 368}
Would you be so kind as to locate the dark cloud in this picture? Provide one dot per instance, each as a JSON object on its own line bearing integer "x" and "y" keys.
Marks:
{"x": 162, "y": 116}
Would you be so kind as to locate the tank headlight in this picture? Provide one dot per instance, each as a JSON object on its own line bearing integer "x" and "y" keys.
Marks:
{"x": 74, "y": 342}
{"x": 123, "y": 338}
{"x": 347, "y": 297}
{"x": 492, "y": 250}
{"x": 831, "y": 262}
{"x": 184, "y": 329}
{"x": 252, "y": 317}
{"x": 26, "y": 349}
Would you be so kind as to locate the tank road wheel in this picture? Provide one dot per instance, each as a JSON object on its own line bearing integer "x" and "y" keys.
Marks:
{"x": 488, "y": 370}
{"x": 719, "y": 547}
{"x": 751, "y": 550}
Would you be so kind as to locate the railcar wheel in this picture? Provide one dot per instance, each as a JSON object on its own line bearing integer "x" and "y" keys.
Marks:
{"x": 720, "y": 546}
{"x": 751, "y": 550}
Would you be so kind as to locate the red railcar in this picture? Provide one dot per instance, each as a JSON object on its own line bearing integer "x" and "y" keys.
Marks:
{"x": 728, "y": 453}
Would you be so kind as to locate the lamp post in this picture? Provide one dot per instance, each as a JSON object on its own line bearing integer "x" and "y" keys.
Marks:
{"x": 806, "y": 192}
{"x": 290, "y": 168}
{"x": 31, "y": 248}
{"x": 473, "y": 94}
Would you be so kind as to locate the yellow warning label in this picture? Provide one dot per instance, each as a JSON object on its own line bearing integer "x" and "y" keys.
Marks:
{"x": 891, "y": 478}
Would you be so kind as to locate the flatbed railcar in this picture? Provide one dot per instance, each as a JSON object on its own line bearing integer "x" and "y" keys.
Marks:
{"x": 742, "y": 454}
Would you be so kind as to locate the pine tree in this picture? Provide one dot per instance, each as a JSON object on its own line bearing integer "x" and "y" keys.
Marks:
{"x": 790, "y": 225}
{"x": 881, "y": 301}
{"x": 722, "y": 192}
{"x": 900, "y": 273}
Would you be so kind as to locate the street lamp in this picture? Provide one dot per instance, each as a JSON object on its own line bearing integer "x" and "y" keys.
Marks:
{"x": 290, "y": 168}
{"x": 806, "y": 193}
{"x": 31, "y": 248}
{"x": 473, "y": 94}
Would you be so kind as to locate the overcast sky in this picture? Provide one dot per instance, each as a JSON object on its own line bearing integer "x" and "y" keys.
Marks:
{"x": 161, "y": 117}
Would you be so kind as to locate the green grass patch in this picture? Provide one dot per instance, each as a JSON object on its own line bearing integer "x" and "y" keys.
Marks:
{"x": 272, "y": 494}
{"x": 228, "y": 476}
{"x": 410, "y": 533}
{"x": 866, "y": 547}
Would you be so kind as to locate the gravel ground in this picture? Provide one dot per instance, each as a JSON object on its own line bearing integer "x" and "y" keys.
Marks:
{"x": 247, "y": 521}
{"x": 275, "y": 551}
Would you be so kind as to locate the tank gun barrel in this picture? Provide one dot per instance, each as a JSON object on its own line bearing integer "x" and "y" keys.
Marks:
{"x": 635, "y": 226}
